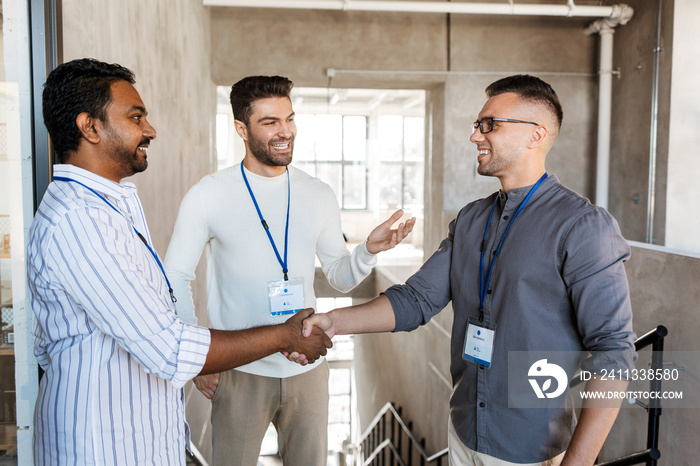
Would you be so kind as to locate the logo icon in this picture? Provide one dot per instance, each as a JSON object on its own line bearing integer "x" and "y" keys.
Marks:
{"x": 544, "y": 370}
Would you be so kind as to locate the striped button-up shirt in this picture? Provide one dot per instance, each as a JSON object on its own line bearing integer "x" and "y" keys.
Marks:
{"x": 115, "y": 354}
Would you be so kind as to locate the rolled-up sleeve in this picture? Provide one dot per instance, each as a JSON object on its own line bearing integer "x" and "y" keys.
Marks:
{"x": 193, "y": 350}
{"x": 426, "y": 292}
{"x": 593, "y": 255}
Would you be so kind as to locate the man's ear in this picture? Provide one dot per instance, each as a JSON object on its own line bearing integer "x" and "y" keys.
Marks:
{"x": 538, "y": 136}
{"x": 87, "y": 125}
{"x": 241, "y": 129}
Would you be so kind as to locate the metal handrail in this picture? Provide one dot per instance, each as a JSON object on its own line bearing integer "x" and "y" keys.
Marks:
{"x": 380, "y": 448}
{"x": 655, "y": 338}
{"x": 377, "y": 425}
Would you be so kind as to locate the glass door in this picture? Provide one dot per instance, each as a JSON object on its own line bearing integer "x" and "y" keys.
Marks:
{"x": 10, "y": 241}
{"x": 24, "y": 176}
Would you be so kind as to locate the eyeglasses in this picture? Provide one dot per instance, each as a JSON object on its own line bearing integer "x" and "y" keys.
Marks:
{"x": 485, "y": 125}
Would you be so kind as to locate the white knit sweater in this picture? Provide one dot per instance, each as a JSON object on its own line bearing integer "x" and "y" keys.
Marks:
{"x": 219, "y": 213}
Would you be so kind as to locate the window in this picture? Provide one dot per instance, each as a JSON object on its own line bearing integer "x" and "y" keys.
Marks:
{"x": 367, "y": 144}
{"x": 401, "y": 154}
{"x": 334, "y": 149}
{"x": 341, "y": 381}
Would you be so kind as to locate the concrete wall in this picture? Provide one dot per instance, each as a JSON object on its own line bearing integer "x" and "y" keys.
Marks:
{"x": 174, "y": 79}
{"x": 664, "y": 290}
{"x": 167, "y": 45}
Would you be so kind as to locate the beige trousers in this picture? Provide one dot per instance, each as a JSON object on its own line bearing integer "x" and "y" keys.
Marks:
{"x": 460, "y": 455}
{"x": 245, "y": 404}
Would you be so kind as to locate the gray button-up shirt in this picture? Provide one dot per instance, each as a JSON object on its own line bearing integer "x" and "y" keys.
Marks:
{"x": 558, "y": 284}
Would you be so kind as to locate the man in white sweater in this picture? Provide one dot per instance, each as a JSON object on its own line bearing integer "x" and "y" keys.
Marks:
{"x": 262, "y": 223}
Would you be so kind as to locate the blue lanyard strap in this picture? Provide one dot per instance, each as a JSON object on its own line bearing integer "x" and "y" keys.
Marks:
{"x": 150, "y": 249}
{"x": 283, "y": 263}
{"x": 484, "y": 287}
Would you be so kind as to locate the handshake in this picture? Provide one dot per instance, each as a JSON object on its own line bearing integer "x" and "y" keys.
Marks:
{"x": 310, "y": 337}
{"x": 303, "y": 339}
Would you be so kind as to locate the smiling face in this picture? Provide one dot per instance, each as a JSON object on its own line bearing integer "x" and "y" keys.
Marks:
{"x": 126, "y": 131}
{"x": 269, "y": 135}
{"x": 510, "y": 151}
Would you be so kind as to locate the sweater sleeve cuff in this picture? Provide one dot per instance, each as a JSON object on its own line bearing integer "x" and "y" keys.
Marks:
{"x": 364, "y": 256}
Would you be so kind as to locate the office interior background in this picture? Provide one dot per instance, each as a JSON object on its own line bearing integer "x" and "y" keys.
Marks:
{"x": 385, "y": 101}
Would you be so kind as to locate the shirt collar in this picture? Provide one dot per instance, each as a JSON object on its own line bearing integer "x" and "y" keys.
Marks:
{"x": 518, "y": 194}
{"x": 94, "y": 181}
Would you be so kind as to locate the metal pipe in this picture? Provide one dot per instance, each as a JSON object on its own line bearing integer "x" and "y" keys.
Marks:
{"x": 651, "y": 188}
{"x": 604, "y": 116}
{"x": 332, "y": 72}
{"x": 568, "y": 10}
{"x": 605, "y": 28}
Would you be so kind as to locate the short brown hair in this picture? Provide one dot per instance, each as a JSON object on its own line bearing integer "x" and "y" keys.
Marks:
{"x": 246, "y": 91}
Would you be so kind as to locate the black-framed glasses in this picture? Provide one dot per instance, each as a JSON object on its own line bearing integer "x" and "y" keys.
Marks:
{"x": 485, "y": 125}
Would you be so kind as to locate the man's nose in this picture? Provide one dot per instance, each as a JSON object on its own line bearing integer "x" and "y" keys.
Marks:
{"x": 149, "y": 131}
{"x": 287, "y": 129}
{"x": 476, "y": 136}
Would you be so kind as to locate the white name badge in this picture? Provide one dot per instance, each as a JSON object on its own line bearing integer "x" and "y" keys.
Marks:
{"x": 286, "y": 296}
{"x": 478, "y": 344}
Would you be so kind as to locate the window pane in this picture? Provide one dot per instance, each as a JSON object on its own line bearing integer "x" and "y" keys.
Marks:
{"x": 222, "y": 133}
{"x": 339, "y": 381}
{"x": 343, "y": 348}
{"x": 355, "y": 187}
{"x": 331, "y": 174}
{"x": 414, "y": 139}
{"x": 390, "y": 186}
{"x": 328, "y": 133}
{"x": 308, "y": 167}
{"x": 390, "y": 137}
{"x": 413, "y": 187}
{"x": 355, "y": 138}
{"x": 339, "y": 409}
{"x": 337, "y": 434}
{"x": 304, "y": 141}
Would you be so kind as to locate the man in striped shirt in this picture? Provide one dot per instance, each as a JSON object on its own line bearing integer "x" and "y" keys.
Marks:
{"x": 114, "y": 353}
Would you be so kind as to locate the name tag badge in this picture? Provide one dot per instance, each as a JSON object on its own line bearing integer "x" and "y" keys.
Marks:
{"x": 286, "y": 296}
{"x": 478, "y": 344}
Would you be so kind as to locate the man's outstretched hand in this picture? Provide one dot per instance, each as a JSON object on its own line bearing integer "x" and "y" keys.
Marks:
{"x": 383, "y": 237}
{"x": 306, "y": 345}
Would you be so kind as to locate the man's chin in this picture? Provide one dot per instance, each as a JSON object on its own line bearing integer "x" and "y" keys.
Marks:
{"x": 140, "y": 167}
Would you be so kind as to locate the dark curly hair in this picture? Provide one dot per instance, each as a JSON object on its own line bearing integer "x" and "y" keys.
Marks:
{"x": 246, "y": 91}
{"x": 73, "y": 88}
{"x": 529, "y": 88}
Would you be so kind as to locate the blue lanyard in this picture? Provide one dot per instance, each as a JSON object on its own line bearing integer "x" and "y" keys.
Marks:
{"x": 150, "y": 249}
{"x": 283, "y": 263}
{"x": 483, "y": 287}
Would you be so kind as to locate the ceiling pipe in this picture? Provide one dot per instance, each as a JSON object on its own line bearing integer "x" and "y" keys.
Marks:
{"x": 605, "y": 28}
{"x": 568, "y": 10}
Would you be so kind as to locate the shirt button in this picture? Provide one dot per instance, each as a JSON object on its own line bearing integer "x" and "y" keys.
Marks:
{"x": 505, "y": 217}
{"x": 482, "y": 404}
{"x": 489, "y": 291}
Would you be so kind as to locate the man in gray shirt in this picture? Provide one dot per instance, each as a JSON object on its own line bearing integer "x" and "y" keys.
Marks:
{"x": 533, "y": 269}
